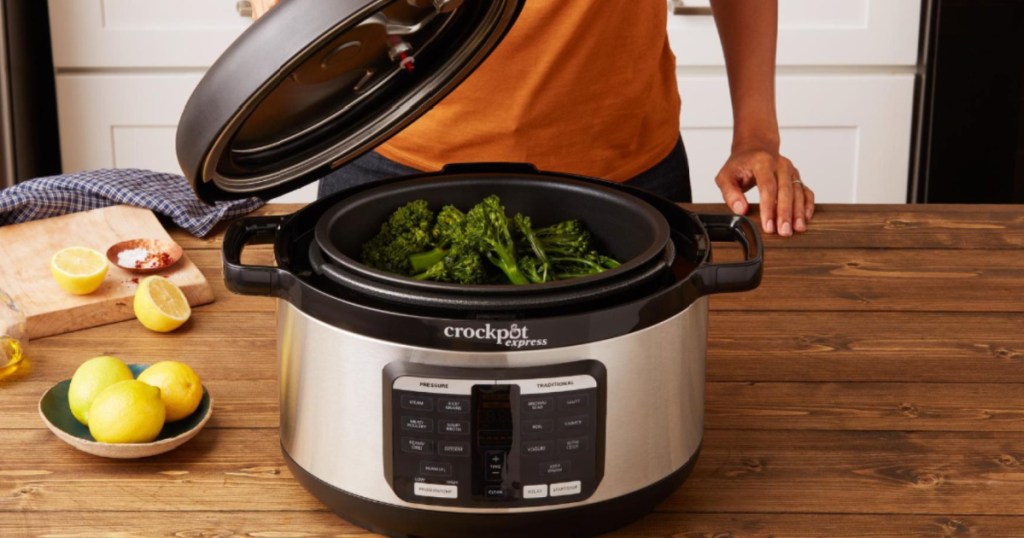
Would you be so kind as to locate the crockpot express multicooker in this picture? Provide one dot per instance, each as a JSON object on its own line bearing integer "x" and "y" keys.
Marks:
{"x": 434, "y": 409}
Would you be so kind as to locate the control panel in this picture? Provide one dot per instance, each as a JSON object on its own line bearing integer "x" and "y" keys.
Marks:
{"x": 495, "y": 437}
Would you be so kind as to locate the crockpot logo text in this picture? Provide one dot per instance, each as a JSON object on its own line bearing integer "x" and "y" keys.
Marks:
{"x": 513, "y": 336}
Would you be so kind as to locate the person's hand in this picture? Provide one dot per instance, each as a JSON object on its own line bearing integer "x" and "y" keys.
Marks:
{"x": 786, "y": 202}
{"x": 261, "y": 7}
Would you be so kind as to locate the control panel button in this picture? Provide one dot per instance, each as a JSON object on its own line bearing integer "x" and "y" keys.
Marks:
{"x": 417, "y": 446}
{"x": 562, "y": 489}
{"x": 494, "y": 465}
{"x": 417, "y": 402}
{"x": 538, "y": 405}
{"x": 449, "y": 448}
{"x": 454, "y": 427}
{"x": 535, "y": 491}
{"x": 572, "y": 444}
{"x": 417, "y": 424}
{"x": 495, "y": 492}
{"x": 435, "y": 468}
{"x": 453, "y": 405}
{"x": 538, "y": 448}
{"x": 579, "y": 422}
{"x": 439, "y": 491}
{"x": 574, "y": 402}
{"x": 556, "y": 468}
{"x": 538, "y": 426}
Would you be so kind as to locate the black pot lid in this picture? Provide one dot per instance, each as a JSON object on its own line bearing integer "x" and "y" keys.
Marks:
{"x": 313, "y": 85}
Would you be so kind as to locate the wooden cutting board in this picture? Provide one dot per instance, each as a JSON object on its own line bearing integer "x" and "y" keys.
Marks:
{"x": 26, "y": 250}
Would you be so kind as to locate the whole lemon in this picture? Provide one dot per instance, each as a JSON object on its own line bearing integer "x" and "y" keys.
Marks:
{"x": 91, "y": 377}
{"x": 180, "y": 388}
{"x": 127, "y": 412}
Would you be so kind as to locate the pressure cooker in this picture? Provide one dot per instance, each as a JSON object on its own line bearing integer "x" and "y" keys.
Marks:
{"x": 420, "y": 408}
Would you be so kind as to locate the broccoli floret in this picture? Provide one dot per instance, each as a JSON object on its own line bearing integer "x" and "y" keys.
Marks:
{"x": 448, "y": 230}
{"x": 406, "y": 232}
{"x": 535, "y": 269}
{"x": 455, "y": 258}
{"x": 567, "y": 238}
{"x": 560, "y": 251}
{"x": 466, "y": 267}
{"x": 488, "y": 230}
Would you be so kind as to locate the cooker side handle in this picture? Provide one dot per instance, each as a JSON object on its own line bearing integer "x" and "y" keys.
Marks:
{"x": 251, "y": 279}
{"x": 735, "y": 276}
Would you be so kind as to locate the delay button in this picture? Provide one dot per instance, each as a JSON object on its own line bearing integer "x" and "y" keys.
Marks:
{"x": 535, "y": 491}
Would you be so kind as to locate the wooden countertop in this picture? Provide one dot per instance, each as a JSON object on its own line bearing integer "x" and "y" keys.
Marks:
{"x": 871, "y": 385}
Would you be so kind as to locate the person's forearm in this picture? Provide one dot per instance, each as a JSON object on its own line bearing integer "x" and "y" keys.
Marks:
{"x": 748, "y": 31}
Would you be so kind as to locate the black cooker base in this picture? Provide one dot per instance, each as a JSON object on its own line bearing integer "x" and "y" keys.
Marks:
{"x": 581, "y": 521}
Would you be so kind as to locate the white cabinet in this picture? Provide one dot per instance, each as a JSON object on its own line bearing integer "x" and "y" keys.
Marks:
{"x": 845, "y": 93}
{"x": 144, "y": 34}
{"x": 125, "y": 69}
{"x": 814, "y": 33}
{"x": 848, "y": 134}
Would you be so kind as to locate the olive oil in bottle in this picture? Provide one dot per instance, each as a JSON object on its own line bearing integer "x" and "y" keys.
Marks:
{"x": 12, "y": 356}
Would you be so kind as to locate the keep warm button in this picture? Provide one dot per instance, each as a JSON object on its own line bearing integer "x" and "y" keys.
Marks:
{"x": 555, "y": 468}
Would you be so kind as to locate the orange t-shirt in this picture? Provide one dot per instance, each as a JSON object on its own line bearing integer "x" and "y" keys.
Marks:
{"x": 579, "y": 86}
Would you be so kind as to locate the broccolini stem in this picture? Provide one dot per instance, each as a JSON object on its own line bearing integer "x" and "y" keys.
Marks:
{"x": 509, "y": 268}
{"x": 421, "y": 261}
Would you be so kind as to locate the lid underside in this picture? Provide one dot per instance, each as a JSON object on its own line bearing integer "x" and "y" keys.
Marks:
{"x": 315, "y": 84}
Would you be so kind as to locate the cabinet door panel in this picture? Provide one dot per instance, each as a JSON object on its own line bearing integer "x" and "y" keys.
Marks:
{"x": 815, "y": 32}
{"x": 142, "y": 33}
{"x": 848, "y": 135}
{"x": 126, "y": 121}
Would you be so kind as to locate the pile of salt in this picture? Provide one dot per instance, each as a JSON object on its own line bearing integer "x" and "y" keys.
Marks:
{"x": 132, "y": 257}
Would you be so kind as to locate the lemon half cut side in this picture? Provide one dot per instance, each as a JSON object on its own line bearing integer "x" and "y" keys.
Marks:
{"x": 160, "y": 305}
{"x": 78, "y": 270}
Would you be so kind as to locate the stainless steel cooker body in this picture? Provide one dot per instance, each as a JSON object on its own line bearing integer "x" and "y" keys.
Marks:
{"x": 561, "y": 420}
{"x": 334, "y": 425}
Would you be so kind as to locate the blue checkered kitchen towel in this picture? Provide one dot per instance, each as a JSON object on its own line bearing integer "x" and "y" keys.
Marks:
{"x": 166, "y": 194}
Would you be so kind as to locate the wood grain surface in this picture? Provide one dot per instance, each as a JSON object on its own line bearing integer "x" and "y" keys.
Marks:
{"x": 869, "y": 387}
{"x": 25, "y": 268}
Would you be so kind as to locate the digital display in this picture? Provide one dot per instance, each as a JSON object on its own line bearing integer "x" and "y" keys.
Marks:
{"x": 493, "y": 416}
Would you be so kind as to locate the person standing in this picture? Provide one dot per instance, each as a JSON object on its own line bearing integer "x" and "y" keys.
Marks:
{"x": 589, "y": 87}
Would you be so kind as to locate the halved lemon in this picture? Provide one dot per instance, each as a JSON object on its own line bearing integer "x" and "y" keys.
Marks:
{"x": 160, "y": 305}
{"x": 78, "y": 270}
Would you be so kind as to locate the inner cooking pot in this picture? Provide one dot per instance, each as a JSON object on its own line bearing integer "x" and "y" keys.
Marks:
{"x": 621, "y": 226}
